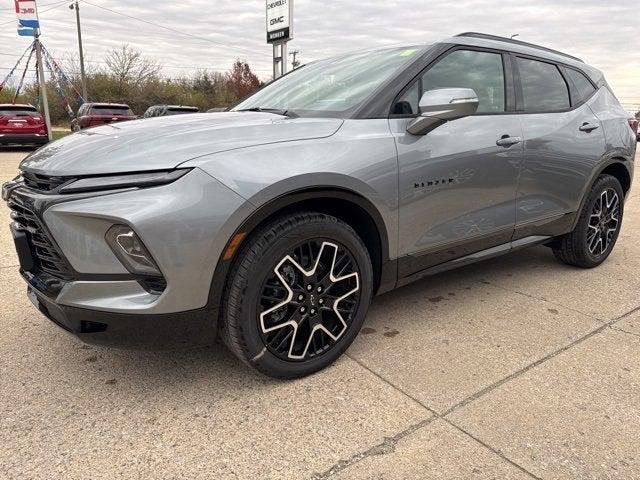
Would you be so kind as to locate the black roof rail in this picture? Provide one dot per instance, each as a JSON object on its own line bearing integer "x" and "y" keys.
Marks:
{"x": 516, "y": 42}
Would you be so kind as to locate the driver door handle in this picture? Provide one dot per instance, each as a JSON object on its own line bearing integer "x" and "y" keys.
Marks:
{"x": 507, "y": 141}
{"x": 588, "y": 127}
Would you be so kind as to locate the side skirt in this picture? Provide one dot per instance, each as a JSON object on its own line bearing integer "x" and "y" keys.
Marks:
{"x": 476, "y": 257}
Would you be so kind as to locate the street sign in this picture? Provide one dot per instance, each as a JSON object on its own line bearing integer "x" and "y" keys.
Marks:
{"x": 27, "y": 14}
{"x": 279, "y": 21}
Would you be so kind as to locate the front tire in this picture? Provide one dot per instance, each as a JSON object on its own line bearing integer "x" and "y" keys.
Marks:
{"x": 297, "y": 295}
{"x": 598, "y": 227}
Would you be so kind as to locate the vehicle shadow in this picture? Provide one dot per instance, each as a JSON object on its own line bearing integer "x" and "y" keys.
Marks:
{"x": 215, "y": 365}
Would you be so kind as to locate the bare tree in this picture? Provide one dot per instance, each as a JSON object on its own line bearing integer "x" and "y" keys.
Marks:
{"x": 128, "y": 66}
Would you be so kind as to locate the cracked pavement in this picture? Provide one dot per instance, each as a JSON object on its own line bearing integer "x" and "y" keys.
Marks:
{"x": 517, "y": 367}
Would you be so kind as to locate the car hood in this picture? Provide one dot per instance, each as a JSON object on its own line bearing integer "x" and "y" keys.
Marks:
{"x": 166, "y": 142}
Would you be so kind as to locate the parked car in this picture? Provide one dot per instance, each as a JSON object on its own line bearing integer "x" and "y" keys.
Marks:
{"x": 634, "y": 123}
{"x": 22, "y": 125}
{"x": 165, "y": 110}
{"x": 95, "y": 114}
{"x": 273, "y": 225}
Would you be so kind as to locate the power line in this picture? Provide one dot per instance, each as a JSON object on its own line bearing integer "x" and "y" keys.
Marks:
{"x": 171, "y": 29}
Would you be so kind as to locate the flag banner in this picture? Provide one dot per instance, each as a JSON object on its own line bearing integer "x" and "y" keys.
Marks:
{"x": 27, "y": 13}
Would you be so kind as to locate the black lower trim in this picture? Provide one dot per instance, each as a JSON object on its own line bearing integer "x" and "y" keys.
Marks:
{"x": 155, "y": 332}
{"x": 23, "y": 139}
{"x": 476, "y": 257}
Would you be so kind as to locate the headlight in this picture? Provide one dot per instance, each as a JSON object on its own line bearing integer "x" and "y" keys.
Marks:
{"x": 141, "y": 180}
{"x": 130, "y": 250}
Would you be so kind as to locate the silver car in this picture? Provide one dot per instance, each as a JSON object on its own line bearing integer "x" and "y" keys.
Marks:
{"x": 272, "y": 225}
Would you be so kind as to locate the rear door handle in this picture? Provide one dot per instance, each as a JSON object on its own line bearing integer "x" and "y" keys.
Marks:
{"x": 507, "y": 141}
{"x": 588, "y": 127}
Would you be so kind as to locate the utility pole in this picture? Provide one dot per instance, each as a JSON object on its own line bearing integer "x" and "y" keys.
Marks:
{"x": 295, "y": 63}
{"x": 43, "y": 85}
{"x": 76, "y": 6}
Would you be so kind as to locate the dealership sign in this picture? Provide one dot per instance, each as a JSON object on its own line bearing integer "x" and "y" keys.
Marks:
{"x": 279, "y": 20}
{"x": 27, "y": 14}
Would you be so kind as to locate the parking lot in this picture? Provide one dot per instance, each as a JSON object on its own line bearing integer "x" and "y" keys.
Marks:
{"x": 518, "y": 367}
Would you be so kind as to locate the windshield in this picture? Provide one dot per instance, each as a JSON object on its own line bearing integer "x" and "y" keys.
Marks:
{"x": 111, "y": 111}
{"x": 331, "y": 87}
{"x": 18, "y": 111}
{"x": 181, "y": 110}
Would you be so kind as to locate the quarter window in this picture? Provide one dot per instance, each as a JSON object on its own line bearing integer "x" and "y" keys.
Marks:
{"x": 543, "y": 87}
{"x": 584, "y": 88}
{"x": 481, "y": 71}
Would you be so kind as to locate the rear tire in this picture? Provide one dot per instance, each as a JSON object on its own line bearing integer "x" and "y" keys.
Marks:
{"x": 297, "y": 295}
{"x": 598, "y": 227}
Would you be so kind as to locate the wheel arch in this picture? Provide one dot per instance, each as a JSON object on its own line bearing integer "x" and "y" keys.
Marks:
{"x": 349, "y": 206}
{"x": 616, "y": 166}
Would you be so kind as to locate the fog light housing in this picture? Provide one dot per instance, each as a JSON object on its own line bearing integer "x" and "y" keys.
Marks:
{"x": 130, "y": 250}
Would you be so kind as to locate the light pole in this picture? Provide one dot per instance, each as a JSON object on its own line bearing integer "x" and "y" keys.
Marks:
{"x": 43, "y": 84}
{"x": 75, "y": 6}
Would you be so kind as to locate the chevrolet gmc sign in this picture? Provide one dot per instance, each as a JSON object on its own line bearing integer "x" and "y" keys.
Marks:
{"x": 279, "y": 20}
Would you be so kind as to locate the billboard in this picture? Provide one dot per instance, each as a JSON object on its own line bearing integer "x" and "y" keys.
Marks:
{"x": 27, "y": 14}
{"x": 279, "y": 20}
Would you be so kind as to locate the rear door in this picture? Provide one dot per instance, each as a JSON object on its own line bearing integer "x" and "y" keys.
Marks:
{"x": 563, "y": 142}
{"x": 457, "y": 185}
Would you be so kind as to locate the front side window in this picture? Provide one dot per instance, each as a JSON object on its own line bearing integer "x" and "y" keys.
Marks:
{"x": 481, "y": 71}
{"x": 333, "y": 87}
{"x": 543, "y": 87}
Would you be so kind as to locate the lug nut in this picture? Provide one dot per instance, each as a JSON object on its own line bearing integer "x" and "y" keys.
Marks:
{"x": 309, "y": 287}
{"x": 321, "y": 301}
{"x": 302, "y": 309}
{"x": 300, "y": 297}
{"x": 312, "y": 311}
{"x": 319, "y": 289}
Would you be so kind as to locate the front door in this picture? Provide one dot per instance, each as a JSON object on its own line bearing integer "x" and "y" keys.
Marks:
{"x": 457, "y": 184}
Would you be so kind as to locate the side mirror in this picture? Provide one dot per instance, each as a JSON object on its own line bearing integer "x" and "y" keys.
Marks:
{"x": 442, "y": 105}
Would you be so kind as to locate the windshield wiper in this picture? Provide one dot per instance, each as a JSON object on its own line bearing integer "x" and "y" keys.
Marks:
{"x": 277, "y": 111}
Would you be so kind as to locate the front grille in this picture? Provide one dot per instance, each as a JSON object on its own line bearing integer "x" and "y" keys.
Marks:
{"x": 46, "y": 256}
{"x": 44, "y": 183}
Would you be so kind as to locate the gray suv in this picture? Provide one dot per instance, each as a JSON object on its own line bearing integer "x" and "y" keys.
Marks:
{"x": 272, "y": 225}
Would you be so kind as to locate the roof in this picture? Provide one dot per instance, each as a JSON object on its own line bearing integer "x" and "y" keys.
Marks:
{"x": 517, "y": 46}
{"x": 17, "y": 105}
{"x": 103, "y": 104}
{"x": 513, "y": 41}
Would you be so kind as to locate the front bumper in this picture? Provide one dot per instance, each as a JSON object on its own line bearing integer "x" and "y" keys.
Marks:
{"x": 23, "y": 139}
{"x": 158, "y": 332}
{"x": 88, "y": 292}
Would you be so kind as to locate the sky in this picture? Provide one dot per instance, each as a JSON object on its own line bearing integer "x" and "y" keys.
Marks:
{"x": 213, "y": 33}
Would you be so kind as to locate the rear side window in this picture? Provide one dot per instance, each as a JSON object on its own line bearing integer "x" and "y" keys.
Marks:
{"x": 543, "y": 87}
{"x": 584, "y": 88}
{"x": 481, "y": 71}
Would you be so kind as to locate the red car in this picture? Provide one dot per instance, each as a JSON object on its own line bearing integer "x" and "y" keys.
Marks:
{"x": 635, "y": 126}
{"x": 22, "y": 125}
{"x": 94, "y": 114}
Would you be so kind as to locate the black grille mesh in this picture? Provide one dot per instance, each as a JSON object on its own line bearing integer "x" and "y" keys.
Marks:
{"x": 46, "y": 256}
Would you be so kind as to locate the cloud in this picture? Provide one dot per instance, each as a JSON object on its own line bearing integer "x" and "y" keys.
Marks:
{"x": 603, "y": 33}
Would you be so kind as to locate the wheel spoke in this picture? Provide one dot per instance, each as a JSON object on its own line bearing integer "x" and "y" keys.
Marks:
{"x": 309, "y": 301}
